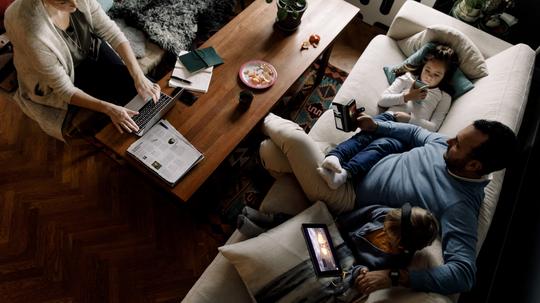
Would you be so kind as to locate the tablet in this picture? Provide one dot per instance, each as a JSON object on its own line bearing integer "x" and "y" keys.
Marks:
{"x": 321, "y": 250}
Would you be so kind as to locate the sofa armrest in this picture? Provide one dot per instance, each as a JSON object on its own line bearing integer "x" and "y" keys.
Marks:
{"x": 220, "y": 281}
{"x": 414, "y": 17}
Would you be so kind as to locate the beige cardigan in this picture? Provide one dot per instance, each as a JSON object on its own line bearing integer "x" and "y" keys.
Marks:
{"x": 43, "y": 62}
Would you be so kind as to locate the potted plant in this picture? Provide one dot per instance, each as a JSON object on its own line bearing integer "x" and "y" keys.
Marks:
{"x": 289, "y": 13}
{"x": 468, "y": 10}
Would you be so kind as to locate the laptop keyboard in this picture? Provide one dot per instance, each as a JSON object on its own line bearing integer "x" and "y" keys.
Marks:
{"x": 150, "y": 109}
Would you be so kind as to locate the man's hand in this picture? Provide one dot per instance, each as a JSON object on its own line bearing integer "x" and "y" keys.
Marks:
{"x": 373, "y": 280}
{"x": 402, "y": 117}
{"x": 366, "y": 123}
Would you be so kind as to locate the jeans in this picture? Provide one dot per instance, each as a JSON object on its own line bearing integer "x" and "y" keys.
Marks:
{"x": 363, "y": 150}
{"x": 106, "y": 78}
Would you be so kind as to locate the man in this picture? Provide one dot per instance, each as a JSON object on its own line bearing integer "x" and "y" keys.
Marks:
{"x": 445, "y": 176}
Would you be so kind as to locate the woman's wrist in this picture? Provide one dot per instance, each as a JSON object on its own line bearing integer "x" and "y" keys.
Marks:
{"x": 138, "y": 76}
{"x": 105, "y": 107}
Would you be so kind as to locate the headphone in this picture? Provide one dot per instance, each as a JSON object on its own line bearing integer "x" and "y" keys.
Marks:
{"x": 406, "y": 228}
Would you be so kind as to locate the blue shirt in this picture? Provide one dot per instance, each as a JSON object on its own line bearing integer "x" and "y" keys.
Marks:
{"x": 419, "y": 176}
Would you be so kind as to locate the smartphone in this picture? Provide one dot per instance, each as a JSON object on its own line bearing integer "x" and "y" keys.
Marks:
{"x": 421, "y": 85}
{"x": 188, "y": 97}
{"x": 321, "y": 250}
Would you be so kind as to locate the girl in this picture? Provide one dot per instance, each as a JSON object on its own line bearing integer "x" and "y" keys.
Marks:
{"x": 425, "y": 107}
{"x": 409, "y": 103}
{"x": 380, "y": 240}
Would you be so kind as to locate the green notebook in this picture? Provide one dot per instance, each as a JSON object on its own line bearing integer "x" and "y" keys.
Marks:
{"x": 200, "y": 59}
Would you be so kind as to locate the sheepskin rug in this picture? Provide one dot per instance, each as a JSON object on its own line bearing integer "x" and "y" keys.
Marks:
{"x": 174, "y": 24}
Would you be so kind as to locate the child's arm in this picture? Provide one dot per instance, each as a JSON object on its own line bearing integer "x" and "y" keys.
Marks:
{"x": 395, "y": 94}
{"x": 437, "y": 117}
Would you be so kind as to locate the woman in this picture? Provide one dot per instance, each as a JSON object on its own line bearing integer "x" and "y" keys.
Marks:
{"x": 63, "y": 66}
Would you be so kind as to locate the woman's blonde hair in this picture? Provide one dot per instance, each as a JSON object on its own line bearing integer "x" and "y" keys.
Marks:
{"x": 424, "y": 226}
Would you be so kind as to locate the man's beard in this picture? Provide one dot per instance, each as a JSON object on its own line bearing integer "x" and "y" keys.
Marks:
{"x": 454, "y": 165}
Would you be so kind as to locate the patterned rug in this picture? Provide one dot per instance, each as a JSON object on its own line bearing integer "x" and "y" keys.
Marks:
{"x": 309, "y": 104}
{"x": 241, "y": 180}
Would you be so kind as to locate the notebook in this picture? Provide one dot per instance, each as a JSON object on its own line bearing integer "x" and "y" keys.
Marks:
{"x": 150, "y": 112}
{"x": 200, "y": 81}
{"x": 200, "y": 59}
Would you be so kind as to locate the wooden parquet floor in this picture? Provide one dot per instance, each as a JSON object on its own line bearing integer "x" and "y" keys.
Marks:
{"x": 77, "y": 226}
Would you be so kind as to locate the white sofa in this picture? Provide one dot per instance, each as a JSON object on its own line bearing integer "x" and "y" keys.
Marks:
{"x": 502, "y": 96}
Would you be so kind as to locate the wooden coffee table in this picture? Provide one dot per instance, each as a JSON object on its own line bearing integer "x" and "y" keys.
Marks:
{"x": 214, "y": 124}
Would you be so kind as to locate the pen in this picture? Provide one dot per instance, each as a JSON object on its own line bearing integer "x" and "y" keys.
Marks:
{"x": 180, "y": 79}
{"x": 163, "y": 124}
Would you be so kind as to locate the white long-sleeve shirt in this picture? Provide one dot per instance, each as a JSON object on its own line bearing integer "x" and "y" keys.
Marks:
{"x": 428, "y": 113}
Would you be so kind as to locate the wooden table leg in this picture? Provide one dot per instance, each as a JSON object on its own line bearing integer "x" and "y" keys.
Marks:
{"x": 324, "y": 63}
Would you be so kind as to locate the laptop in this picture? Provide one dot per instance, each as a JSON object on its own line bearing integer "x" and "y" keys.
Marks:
{"x": 149, "y": 112}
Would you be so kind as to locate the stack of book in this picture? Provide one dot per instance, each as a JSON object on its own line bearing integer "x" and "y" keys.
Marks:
{"x": 193, "y": 70}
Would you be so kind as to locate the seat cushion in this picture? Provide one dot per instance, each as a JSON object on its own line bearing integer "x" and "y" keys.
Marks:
{"x": 367, "y": 81}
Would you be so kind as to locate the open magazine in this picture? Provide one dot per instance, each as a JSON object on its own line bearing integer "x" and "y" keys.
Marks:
{"x": 165, "y": 152}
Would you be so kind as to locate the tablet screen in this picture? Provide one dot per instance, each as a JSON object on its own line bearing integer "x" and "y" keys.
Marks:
{"x": 321, "y": 249}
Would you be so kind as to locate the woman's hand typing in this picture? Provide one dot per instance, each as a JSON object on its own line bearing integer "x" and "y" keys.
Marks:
{"x": 121, "y": 118}
{"x": 147, "y": 89}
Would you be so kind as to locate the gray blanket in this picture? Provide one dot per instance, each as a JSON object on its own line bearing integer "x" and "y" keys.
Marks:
{"x": 174, "y": 24}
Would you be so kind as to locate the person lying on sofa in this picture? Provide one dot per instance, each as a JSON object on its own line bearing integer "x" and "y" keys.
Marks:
{"x": 426, "y": 107}
{"x": 378, "y": 237}
{"x": 446, "y": 176}
{"x": 63, "y": 64}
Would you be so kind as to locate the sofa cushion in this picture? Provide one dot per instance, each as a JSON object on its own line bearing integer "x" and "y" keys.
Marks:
{"x": 501, "y": 96}
{"x": 261, "y": 259}
{"x": 366, "y": 82}
{"x": 285, "y": 196}
{"x": 471, "y": 60}
{"x": 219, "y": 280}
{"x": 459, "y": 81}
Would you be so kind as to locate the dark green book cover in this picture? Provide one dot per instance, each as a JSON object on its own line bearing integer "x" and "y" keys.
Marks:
{"x": 200, "y": 59}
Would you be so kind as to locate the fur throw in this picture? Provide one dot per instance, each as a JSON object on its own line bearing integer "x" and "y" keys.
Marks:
{"x": 174, "y": 24}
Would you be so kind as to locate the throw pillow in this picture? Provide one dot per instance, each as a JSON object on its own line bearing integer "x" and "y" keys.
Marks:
{"x": 459, "y": 81}
{"x": 261, "y": 259}
{"x": 471, "y": 60}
